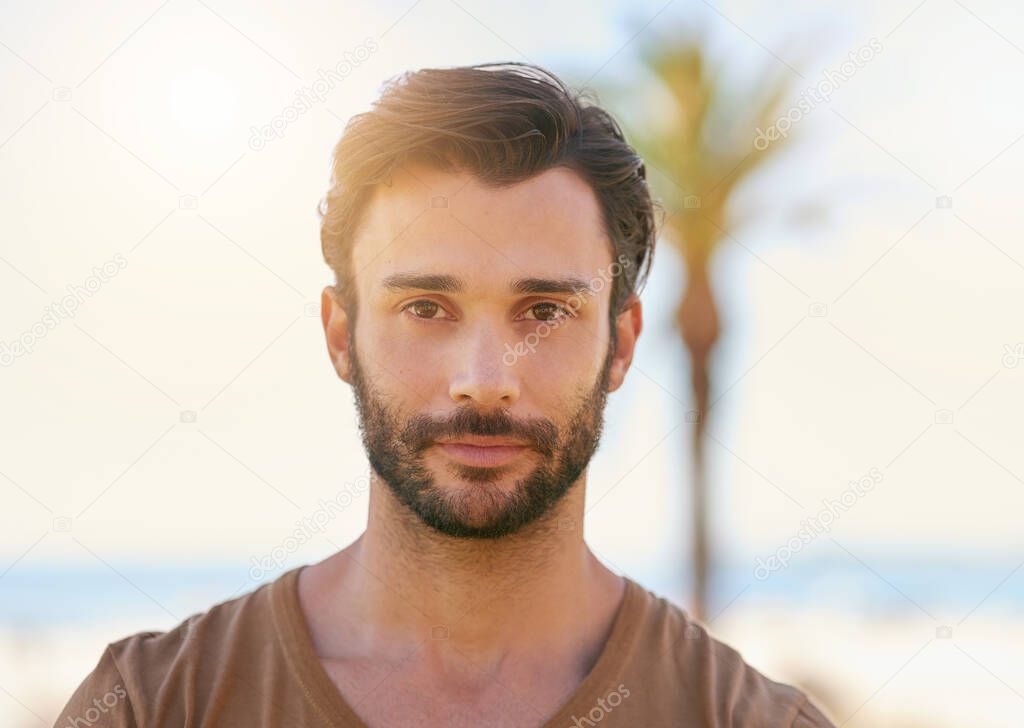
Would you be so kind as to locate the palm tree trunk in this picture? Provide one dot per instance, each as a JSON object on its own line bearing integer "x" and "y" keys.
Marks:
{"x": 697, "y": 318}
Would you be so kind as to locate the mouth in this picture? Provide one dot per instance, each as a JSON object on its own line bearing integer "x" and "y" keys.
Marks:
{"x": 483, "y": 451}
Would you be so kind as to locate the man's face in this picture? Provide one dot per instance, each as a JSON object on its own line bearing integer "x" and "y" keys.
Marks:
{"x": 482, "y": 316}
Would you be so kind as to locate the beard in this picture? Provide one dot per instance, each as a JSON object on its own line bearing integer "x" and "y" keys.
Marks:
{"x": 484, "y": 509}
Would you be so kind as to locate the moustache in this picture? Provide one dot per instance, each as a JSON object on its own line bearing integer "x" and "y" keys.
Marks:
{"x": 422, "y": 431}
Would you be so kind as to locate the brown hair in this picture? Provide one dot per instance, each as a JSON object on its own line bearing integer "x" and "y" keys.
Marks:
{"x": 503, "y": 122}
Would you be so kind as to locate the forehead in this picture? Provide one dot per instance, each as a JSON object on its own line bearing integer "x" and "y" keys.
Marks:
{"x": 432, "y": 221}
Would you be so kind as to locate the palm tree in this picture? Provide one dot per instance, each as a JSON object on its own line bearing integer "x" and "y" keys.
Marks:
{"x": 701, "y": 146}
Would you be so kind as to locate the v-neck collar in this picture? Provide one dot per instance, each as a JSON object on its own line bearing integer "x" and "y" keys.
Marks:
{"x": 297, "y": 643}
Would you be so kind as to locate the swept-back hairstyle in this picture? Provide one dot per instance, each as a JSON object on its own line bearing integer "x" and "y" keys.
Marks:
{"x": 504, "y": 123}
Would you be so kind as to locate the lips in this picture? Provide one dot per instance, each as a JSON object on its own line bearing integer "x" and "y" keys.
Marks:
{"x": 483, "y": 451}
{"x": 484, "y": 441}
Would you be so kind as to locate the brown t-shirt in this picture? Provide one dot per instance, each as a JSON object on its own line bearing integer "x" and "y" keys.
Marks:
{"x": 250, "y": 663}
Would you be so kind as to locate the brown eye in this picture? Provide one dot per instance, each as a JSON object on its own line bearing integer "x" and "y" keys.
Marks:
{"x": 423, "y": 309}
{"x": 548, "y": 311}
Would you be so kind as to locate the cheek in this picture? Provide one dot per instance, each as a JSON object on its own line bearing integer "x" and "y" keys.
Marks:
{"x": 393, "y": 341}
{"x": 575, "y": 343}
{"x": 403, "y": 366}
{"x": 559, "y": 357}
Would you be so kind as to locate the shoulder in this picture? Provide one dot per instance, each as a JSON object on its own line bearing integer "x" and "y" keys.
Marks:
{"x": 713, "y": 677}
{"x": 147, "y": 674}
{"x": 100, "y": 700}
{"x": 201, "y": 639}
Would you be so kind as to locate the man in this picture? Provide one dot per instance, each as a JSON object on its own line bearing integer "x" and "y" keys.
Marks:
{"x": 489, "y": 232}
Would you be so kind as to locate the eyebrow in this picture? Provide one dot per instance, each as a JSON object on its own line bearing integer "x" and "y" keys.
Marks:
{"x": 452, "y": 284}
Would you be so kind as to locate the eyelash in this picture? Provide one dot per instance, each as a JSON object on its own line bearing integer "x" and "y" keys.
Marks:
{"x": 565, "y": 311}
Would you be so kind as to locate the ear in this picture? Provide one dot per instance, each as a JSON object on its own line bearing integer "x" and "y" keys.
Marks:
{"x": 628, "y": 325}
{"x": 336, "y": 331}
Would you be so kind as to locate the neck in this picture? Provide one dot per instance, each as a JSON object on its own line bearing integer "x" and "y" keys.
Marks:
{"x": 539, "y": 595}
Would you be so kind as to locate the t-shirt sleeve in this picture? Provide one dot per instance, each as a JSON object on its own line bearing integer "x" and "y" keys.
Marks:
{"x": 810, "y": 717}
{"x": 100, "y": 701}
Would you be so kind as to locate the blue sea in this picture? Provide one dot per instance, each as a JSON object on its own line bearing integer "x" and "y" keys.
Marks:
{"x": 944, "y": 588}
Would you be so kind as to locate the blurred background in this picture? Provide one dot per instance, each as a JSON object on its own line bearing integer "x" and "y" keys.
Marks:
{"x": 817, "y": 450}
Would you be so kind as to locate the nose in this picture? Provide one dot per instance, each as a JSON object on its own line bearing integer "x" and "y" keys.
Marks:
{"x": 482, "y": 376}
